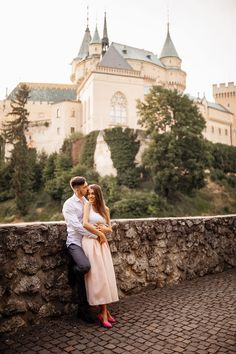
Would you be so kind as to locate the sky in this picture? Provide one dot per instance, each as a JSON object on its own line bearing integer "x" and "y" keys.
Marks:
{"x": 40, "y": 38}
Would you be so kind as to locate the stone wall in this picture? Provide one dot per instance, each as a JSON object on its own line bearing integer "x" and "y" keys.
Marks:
{"x": 146, "y": 252}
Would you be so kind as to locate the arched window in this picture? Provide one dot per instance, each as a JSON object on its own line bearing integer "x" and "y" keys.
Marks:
{"x": 118, "y": 108}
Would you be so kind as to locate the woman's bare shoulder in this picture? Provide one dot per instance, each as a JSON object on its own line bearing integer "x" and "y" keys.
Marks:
{"x": 87, "y": 205}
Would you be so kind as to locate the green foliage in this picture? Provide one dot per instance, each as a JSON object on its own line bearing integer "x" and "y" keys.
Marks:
{"x": 2, "y": 151}
{"x": 177, "y": 155}
{"x": 57, "y": 176}
{"x": 223, "y": 157}
{"x": 137, "y": 204}
{"x": 49, "y": 169}
{"x": 6, "y": 173}
{"x": 58, "y": 188}
{"x": 38, "y": 171}
{"x": 14, "y": 133}
{"x": 124, "y": 147}
{"x": 89, "y": 173}
{"x": 87, "y": 157}
{"x": 111, "y": 190}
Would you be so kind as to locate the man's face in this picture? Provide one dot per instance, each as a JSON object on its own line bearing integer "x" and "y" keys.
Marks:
{"x": 82, "y": 191}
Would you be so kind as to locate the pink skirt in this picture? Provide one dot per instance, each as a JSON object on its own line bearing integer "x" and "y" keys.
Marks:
{"x": 100, "y": 281}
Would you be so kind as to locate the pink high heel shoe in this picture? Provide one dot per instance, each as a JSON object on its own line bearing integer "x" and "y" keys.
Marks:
{"x": 111, "y": 319}
{"x": 105, "y": 324}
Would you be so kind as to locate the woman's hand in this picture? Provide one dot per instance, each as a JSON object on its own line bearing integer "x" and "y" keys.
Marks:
{"x": 101, "y": 238}
{"x": 103, "y": 228}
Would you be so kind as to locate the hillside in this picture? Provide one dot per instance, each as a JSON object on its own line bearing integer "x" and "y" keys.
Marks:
{"x": 214, "y": 199}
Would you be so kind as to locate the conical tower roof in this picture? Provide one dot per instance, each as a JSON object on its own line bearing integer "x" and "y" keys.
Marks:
{"x": 84, "y": 49}
{"x": 168, "y": 49}
{"x": 105, "y": 35}
{"x": 105, "y": 40}
{"x": 96, "y": 39}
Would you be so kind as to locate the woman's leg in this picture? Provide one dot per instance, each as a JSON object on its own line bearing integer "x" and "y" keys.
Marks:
{"x": 104, "y": 312}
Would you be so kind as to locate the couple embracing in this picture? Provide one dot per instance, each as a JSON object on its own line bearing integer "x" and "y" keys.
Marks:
{"x": 88, "y": 223}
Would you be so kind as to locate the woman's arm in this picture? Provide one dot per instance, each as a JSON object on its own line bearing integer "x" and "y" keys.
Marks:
{"x": 107, "y": 228}
{"x": 89, "y": 226}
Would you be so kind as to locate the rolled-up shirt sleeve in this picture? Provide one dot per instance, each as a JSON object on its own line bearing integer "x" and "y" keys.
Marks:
{"x": 73, "y": 221}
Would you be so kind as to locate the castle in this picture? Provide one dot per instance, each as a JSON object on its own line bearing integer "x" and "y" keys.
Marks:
{"x": 107, "y": 79}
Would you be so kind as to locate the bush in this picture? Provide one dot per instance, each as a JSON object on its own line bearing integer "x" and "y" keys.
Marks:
{"x": 89, "y": 173}
{"x": 137, "y": 204}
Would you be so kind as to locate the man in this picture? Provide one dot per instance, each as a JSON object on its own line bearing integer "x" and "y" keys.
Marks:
{"x": 73, "y": 214}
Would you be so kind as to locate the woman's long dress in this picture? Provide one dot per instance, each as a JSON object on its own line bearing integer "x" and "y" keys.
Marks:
{"x": 100, "y": 281}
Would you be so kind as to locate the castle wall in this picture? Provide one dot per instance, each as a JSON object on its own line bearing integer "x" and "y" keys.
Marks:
{"x": 146, "y": 252}
{"x": 104, "y": 87}
{"x": 225, "y": 94}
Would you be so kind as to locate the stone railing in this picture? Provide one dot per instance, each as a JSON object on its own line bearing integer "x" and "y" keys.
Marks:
{"x": 146, "y": 252}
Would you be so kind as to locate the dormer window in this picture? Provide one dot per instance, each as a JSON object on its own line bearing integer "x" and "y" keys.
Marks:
{"x": 149, "y": 56}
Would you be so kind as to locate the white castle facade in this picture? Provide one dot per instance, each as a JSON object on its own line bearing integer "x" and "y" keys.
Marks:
{"x": 107, "y": 79}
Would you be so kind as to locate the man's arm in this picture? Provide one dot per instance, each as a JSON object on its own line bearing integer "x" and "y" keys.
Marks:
{"x": 72, "y": 220}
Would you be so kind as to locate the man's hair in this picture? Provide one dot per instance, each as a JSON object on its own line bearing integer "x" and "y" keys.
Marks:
{"x": 77, "y": 181}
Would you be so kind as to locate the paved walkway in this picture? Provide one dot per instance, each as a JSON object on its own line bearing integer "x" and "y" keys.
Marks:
{"x": 197, "y": 316}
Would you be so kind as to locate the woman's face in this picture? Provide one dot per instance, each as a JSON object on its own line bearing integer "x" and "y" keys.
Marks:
{"x": 91, "y": 196}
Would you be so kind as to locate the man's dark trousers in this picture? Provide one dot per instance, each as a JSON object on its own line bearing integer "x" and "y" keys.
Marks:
{"x": 82, "y": 267}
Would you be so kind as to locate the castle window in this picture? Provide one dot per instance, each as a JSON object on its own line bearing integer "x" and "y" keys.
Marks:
{"x": 219, "y": 131}
{"x": 58, "y": 131}
{"x": 118, "y": 111}
{"x": 72, "y": 130}
{"x": 73, "y": 113}
{"x": 58, "y": 113}
{"x": 226, "y": 131}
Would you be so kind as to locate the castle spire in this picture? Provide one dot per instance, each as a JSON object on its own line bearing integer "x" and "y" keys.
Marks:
{"x": 105, "y": 40}
{"x": 96, "y": 39}
{"x": 84, "y": 48}
{"x": 168, "y": 49}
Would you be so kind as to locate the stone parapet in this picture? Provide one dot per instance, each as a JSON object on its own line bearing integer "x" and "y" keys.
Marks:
{"x": 146, "y": 252}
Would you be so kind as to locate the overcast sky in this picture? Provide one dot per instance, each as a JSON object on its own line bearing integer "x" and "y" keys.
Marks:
{"x": 39, "y": 38}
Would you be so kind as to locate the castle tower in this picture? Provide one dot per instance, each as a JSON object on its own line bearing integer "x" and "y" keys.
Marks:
{"x": 169, "y": 55}
{"x": 176, "y": 77}
{"x": 226, "y": 96}
{"x": 105, "y": 40}
{"x": 84, "y": 48}
{"x": 95, "y": 46}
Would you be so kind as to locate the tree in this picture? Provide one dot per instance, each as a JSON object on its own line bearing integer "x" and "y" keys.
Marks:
{"x": 14, "y": 134}
{"x": 177, "y": 154}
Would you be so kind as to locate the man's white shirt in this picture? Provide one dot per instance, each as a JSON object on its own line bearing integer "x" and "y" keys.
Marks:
{"x": 73, "y": 210}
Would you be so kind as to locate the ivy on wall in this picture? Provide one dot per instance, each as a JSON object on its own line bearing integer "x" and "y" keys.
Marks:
{"x": 124, "y": 146}
{"x": 89, "y": 146}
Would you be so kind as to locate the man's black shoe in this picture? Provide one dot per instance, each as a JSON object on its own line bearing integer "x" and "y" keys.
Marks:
{"x": 85, "y": 316}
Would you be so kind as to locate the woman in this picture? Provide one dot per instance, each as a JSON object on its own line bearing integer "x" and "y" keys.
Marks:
{"x": 100, "y": 281}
